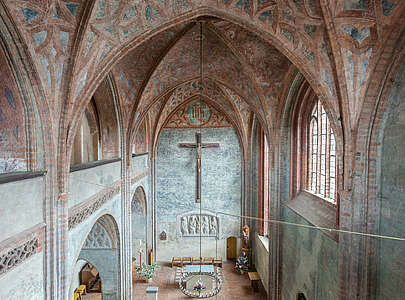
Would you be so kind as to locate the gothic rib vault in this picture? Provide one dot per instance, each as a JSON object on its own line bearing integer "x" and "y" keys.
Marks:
{"x": 143, "y": 57}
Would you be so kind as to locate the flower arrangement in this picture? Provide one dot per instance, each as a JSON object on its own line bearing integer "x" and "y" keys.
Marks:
{"x": 242, "y": 263}
{"x": 199, "y": 286}
{"x": 147, "y": 270}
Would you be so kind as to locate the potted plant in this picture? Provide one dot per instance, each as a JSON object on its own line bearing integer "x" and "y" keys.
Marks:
{"x": 148, "y": 271}
{"x": 199, "y": 286}
{"x": 242, "y": 264}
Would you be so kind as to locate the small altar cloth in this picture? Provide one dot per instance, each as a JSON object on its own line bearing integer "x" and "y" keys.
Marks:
{"x": 196, "y": 269}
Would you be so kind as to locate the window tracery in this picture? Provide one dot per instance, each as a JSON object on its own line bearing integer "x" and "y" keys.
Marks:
{"x": 321, "y": 172}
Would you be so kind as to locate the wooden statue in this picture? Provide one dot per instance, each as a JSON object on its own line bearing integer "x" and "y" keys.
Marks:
{"x": 246, "y": 233}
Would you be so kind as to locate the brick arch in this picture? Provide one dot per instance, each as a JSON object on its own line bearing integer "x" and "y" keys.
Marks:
{"x": 108, "y": 226}
{"x": 362, "y": 188}
{"x": 65, "y": 154}
{"x": 139, "y": 197}
{"x": 116, "y": 54}
{"x": 40, "y": 140}
{"x": 213, "y": 85}
{"x": 370, "y": 133}
{"x": 23, "y": 93}
{"x": 237, "y": 127}
{"x": 298, "y": 101}
{"x": 245, "y": 21}
{"x": 194, "y": 88}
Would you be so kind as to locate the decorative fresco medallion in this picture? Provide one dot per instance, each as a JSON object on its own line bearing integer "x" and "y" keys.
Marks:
{"x": 198, "y": 113}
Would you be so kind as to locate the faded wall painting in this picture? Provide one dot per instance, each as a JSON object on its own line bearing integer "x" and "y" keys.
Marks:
{"x": 12, "y": 123}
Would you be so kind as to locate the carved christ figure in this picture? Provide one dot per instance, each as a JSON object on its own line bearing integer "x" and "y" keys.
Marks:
{"x": 198, "y": 145}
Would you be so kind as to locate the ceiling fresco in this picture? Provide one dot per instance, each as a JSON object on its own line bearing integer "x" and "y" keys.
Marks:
{"x": 250, "y": 46}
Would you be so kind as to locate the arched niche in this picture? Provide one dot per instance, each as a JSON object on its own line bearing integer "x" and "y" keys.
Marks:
{"x": 101, "y": 250}
{"x": 87, "y": 139}
{"x": 97, "y": 132}
{"x": 139, "y": 225}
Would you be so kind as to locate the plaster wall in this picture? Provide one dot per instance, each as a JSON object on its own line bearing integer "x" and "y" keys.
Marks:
{"x": 78, "y": 234}
{"x": 262, "y": 259}
{"x": 176, "y": 189}
{"x": 25, "y": 281}
{"x": 142, "y": 225}
{"x": 139, "y": 163}
{"x": 106, "y": 262}
{"x": 23, "y": 201}
{"x": 85, "y": 183}
{"x": 391, "y": 264}
{"x": 309, "y": 261}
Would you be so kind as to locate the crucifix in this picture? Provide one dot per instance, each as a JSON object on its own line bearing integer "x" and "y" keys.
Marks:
{"x": 198, "y": 145}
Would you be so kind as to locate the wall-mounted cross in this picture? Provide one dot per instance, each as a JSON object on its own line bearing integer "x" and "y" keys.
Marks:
{"x": 199, "y": 146}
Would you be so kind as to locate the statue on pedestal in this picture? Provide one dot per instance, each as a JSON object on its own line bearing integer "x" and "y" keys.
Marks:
{"x": 245, "y": 239}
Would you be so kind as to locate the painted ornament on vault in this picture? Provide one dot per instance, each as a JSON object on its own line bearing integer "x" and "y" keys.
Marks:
{"x": 198, "y": 113}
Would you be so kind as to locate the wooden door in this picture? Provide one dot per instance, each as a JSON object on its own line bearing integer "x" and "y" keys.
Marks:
{"x": 231, "y": 248}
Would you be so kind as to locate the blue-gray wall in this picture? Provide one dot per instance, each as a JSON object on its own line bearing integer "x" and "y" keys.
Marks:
{"x": 176, "y": 186}
{"x": 309, "y": 261}
{"x": 391, "y": 266}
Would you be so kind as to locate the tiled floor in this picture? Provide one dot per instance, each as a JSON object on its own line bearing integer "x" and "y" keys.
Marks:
{"x": 92, "y": 296}
{"x": 235, "y": 286}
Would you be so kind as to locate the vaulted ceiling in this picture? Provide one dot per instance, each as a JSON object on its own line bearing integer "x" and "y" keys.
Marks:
{"x": 241, "y": 73}
{"x": 253, "y": 49}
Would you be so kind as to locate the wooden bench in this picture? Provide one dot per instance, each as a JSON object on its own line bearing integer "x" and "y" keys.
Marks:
{"x": 177, "y": 261}
{"x": 183, "y": 261}
{"x": 196, "y": 261}
{"x": 217, "y": 262}
{"x": 254, "y": 280}
{"x": 208, "y": 261}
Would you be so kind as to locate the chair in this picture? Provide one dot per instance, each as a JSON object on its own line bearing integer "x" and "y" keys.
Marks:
{"x": 177, "y": 261}
{"x": 196, "y": 261}
{"x": 218, "y": 262}
{"x": 186, "y": 261}
{"x": 208, "y": 260}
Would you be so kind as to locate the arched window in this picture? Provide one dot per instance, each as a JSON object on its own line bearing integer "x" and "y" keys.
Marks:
{"x": 87, "y": 138}
{"x": 263, "y": 181}
{"x": 321, "y": 171}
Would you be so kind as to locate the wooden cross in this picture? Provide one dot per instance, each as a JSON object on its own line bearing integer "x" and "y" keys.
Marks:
{"x": 199, "y": 146}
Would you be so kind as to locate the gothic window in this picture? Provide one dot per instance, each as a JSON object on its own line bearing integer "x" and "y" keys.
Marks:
{"x": 86, "y": 142}
{"x": 321, "y": 171}
{"x": 263, "y": 181}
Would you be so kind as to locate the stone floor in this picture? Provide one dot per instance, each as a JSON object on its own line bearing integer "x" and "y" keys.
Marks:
{"x": 235, "y": 286}
{"x": 92, "y": 296}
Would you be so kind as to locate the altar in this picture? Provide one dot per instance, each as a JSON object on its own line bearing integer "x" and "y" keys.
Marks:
{"x": 199, "y": 268}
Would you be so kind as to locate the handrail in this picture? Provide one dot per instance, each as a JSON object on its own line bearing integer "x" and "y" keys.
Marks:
{"x": 93, "y": 164}
{"x": 18, "y": 176}
{"x": 139, "y": 154}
